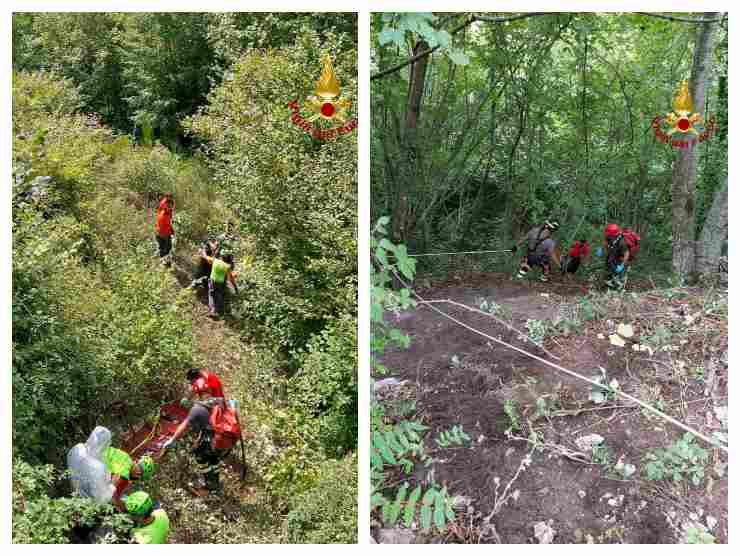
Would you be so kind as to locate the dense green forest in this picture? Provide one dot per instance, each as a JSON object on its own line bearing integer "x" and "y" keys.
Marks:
{"x": 514, "y": 119}
{"x": 549, "y": 302}
{"x": 110, "y": 111}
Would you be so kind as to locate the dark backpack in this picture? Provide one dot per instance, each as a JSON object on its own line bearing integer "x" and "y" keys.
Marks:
{"x": 225, "y": 425}
{"x": 615, "y": 249}
{"x": 534, "y": 242}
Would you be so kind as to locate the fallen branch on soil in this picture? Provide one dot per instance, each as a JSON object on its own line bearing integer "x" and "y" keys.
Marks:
{"x": 565, "y": 412}
{"x": 576, "y": 412}
{"x": 498, "y": 320}
{"x": 599, "y": 421}
{"x": 558, "y": 449}
{"x": 501, "y": 501}
{"x": 715, "y": 443}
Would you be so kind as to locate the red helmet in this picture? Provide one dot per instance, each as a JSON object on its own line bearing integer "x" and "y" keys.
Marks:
{"x": 200, "y": 386}
{"x": 612, "y": 230}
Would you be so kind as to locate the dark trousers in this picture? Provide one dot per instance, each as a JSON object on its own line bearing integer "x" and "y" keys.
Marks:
{"x": 209, "y": 462}
{"x": 539, "y": 260}
{"x": 615, "y": 280}
{"x": 571, "y": 264}
{"x": 165, "y": 245}
{"x": 216, "y": 297}
{"x": 202, "y": 273}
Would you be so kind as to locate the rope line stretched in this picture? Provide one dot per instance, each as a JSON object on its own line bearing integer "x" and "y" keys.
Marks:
{"x": 713, "y": 442}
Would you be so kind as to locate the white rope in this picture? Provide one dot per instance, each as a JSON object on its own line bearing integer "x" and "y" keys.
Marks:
{"x": 714, "y": 443}
{"x": 459, "y": 253}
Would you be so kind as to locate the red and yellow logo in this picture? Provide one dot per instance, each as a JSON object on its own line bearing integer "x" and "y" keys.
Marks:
{"x": 327, "y": 106}
{"x": 682, "y": 122}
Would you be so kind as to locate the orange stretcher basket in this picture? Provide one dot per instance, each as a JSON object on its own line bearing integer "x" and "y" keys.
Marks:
{"x": 149, "y": 437}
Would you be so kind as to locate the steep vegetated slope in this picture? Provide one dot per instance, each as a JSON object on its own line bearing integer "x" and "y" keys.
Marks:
{"x": 102, "y": 333}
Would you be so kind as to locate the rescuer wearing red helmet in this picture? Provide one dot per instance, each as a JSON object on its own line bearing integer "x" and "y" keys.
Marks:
{"x": 579, "y": 252}
{"x": 207, "y": 392}
{"x": 205, "y": 381}
{"x": 617, "y": 256}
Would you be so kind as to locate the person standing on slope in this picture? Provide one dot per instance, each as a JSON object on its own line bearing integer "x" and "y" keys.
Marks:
{"x": 540, "y": 250}
{"x": 220, "y": 272}
{"x": 163, "y": 227}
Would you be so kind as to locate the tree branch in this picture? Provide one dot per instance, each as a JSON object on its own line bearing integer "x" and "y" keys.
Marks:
{"x": 681, "y": 19}
{"x": 472, "y": 19}
{"x": 477, "y": 17}
{"x": 488, "y": 19}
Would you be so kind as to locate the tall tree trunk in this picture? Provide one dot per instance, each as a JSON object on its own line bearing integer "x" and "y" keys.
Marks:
{"x": 404, "y": 220}
{"x": 416, "y": 87}
{"x": 713, "y": 234}
{"x": 684, "y": 168}
{"x": 584, "y": 118}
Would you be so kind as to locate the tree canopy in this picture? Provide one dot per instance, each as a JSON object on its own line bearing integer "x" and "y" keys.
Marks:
{"x": 511, "y": 118}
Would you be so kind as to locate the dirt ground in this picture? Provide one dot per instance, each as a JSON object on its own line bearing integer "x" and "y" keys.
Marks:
{"x": 457, "y": 377}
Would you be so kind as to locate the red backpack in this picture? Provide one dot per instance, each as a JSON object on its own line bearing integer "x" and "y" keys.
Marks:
{"x": 633, "y": 242}
{"x": 225, "y": 424}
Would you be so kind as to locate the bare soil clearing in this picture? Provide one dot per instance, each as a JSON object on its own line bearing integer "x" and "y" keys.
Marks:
{"x": 585, "y": 502}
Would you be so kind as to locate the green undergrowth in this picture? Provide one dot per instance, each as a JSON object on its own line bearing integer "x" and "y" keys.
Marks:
{"x": 102, "y": 334}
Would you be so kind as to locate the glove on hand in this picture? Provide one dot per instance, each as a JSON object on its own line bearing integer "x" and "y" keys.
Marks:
{"x": 513, "y": 250}
{"x": 620, "y": 268}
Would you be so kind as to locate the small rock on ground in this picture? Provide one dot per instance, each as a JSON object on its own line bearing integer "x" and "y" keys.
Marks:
{"x": 387, "y": 384}
{"x": 586, "y": 443}
{"x": 543, "y": 532}
{"x": 395, "y": 536}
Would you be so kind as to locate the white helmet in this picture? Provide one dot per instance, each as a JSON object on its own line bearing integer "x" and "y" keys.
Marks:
{"x": 552, "y": 225}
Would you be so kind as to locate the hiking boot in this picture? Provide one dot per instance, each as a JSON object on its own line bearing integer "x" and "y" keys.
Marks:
{"x": 197, "y": 487}
{"x": 200, "y": 492}
{"x": 215, "y": 489}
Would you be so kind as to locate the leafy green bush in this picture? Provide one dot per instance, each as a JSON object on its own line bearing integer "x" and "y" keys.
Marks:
{"x": 383, "y": 296}
{"x": 96, "y": 323}
{"x": 327, "y": 513}
{"x": 83, "y": 47}
{"x": 54, "y": 374}
{"x": 326, "y": 385}
{"x": 682, "y": 458}
{"x": 512, "y": 412}
{"x": 296, "y": 197}
{"x": 695, "y": 535}
{"x": 455, "y": 436}
{"x": 601, "y": 454}
{"x": 537, "y": 330}
{"x": 396, "y": 447}
{"x": 40, "y": 519}
{"x": 51, "y": 140}
{"x": 40, "y": 94}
